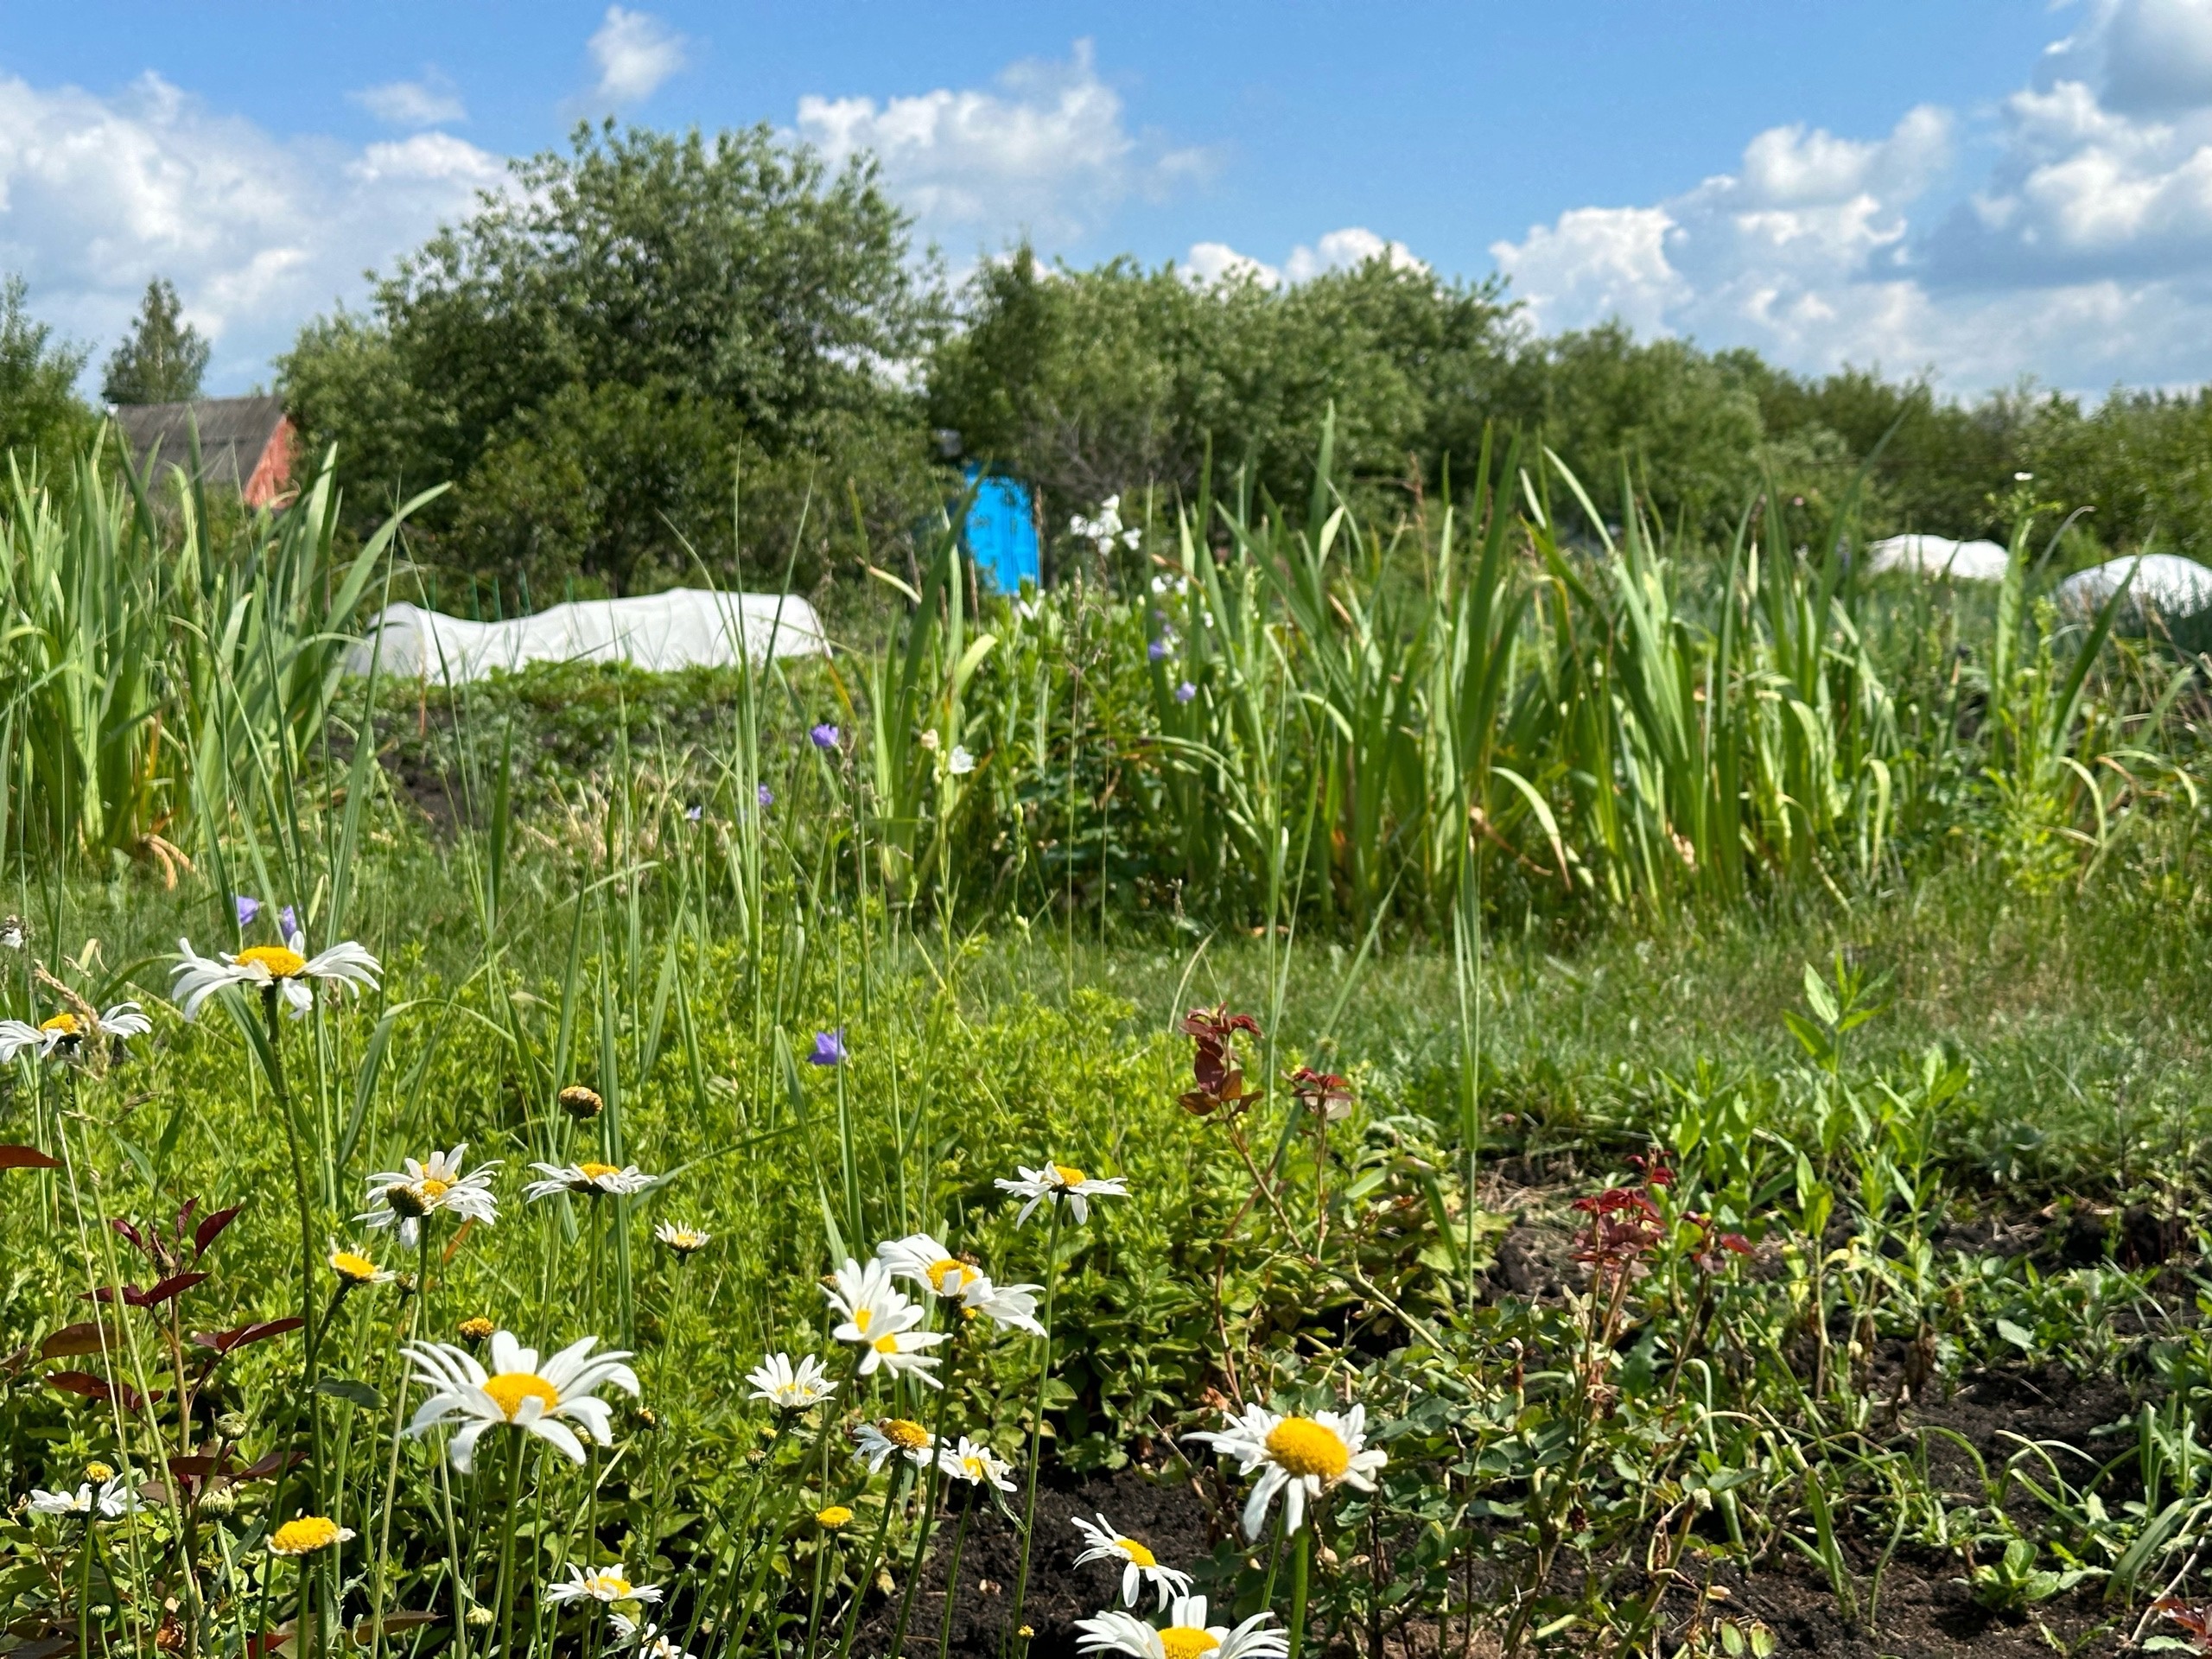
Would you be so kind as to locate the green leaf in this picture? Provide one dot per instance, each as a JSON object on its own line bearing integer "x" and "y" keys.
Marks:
{"x": 2025, "y": 1340}
{"x": 345, "y": 1388}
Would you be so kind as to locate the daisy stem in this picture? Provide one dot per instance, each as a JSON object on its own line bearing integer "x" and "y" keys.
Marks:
{"x": 1037, "y": 1425}
{"x": 929, "y": 1502}
{"x": 84, "y": 1591}
{"x": 827, "y": 1541}
{"x": 952, "y": 1583}
{"x": 506, "y": 1592}
{"x": 866, "y": 1579}
{"x": 415, "y": 1314}
{"x": 1301, "y": 1553}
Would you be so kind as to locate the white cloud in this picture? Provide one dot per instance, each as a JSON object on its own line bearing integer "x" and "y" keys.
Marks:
{"x": 1354, "y": 246}
{"x": 99, "y": 194}
{"x": 429, "y": 102}
{"x": 635, "y": 53}
{"x": 1045, "y": 153}
{"x": 2081, "y": 252}
{"x": 1209, "y": 263}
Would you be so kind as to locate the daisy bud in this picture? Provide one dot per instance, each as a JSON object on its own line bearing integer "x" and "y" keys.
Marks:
{"x": 582, "y": 1104}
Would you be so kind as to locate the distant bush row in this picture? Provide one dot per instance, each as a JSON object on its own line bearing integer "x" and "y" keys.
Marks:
{"x": 661, "y": 354}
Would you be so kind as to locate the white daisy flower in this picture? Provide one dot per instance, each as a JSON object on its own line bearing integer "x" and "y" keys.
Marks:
{"x": 1063, "y": 1182}
{"x": 972, "y": 1460}
{"x": 353, "y": 1269}
{"x": 1005, "y": 1306}
{"x": 401, "y": 1198}
{"x": 959, "y": 763}
{"x": 790, "y": 1387}
{"x": 592, "y": 1180}
{"x": 1139, "y": 1564}
{"x": 64, "y": 1035}
{"x": 1304, "y": 1456}
{"x": 681, "y": 1239}
{"x": 602, "y": 1584}
{"x": 281, "y": 969}
{"x": 901, "y": 1351}
{"x": 519, "y": 1390}
{"x": 890, "y": 1437}
{"x": 307, "y": 1534}
{"x": 650, "y": 1640}
{"x": 1188, "y": 1635}
{"x": 880, "y": 1321}
{"x": 112, "y": 1497}
{"x": 920, "y": 1258}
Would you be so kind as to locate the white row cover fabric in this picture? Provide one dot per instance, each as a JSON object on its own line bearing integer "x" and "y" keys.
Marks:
{"x": 684, "y": 627}
{"x": 2165, "y": 582}
{"x": 1938, "y": 555}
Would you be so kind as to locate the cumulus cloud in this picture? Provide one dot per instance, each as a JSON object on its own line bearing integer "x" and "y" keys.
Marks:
{"x": 634, "y": 52}
{"x": 99, "y": 194}
{"x": 1044, "y": 152}
{"x": 2081, "y": 250}
{"x": 429, "y": 102}
{"x": 1355, "y": 245}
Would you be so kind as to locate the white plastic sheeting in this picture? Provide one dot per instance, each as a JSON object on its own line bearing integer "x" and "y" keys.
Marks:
{"x": 1938, "y": 555}
{"x": 2165, "y": 583}
{"x": 681, "y": 628}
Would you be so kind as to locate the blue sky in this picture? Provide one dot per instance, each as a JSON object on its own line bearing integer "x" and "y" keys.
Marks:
{"x": 1987, "y": 190}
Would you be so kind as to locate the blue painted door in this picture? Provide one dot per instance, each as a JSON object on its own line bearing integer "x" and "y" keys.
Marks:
{"x": 1001, "y": 532}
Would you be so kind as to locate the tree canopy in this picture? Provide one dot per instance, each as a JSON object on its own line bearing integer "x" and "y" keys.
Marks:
{"x": 162, "y": 357}
{"x": 639, "y": 310}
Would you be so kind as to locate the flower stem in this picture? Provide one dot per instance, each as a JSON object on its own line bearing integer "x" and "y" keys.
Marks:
{"x": 1301, "y": 1553}
{"x": 506, "y": 1596}
{"x": 1037, "y": 1426}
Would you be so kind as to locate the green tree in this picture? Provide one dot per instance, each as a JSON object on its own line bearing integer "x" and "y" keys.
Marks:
{"x": 710, "y": 295}
{"x": 39, "y": 410}
{"x": 1094, "y": 383}
{"x": 163, "y": 357}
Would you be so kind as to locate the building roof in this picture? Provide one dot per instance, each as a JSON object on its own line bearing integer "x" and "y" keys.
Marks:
{"x": 235, "y": 434}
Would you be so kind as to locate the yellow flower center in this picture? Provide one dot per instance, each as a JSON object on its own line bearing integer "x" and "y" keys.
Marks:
{"x": 606, "y": 1587}
{"x": 1306, "y": 1448}
{"x": 1187, "y": 1641}
{"x": 99, "y": 1471}
{"x": 1070, "y": 1176}
{"x": 1138, "y": 1555}
{"x": 860, "y": 1317}
{"x": 303, "y": 1536}
{"x": 596, "y": 1172}
{"x": 900, "y": 1432}
{"x": 281, "y": 961}
{"x": 510, "y": 1388}
{"x": 974, "y": 1468}
{"x": 949, "y": 1278}
{"x": 887, "y": 1345}
{"x": 357, "y": 1269}
{"x": 833, "y": 1517}
{"x": 477, "y": 1330}
{"x": 64, "y": 1023}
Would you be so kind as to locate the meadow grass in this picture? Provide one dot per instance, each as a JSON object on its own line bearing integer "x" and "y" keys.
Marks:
{"x": 1575, "y": 1086}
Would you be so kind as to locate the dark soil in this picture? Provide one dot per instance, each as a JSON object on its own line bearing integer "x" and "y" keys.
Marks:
{"x": 1923, "y": 1611}
{"x": 1167, "y": 1513}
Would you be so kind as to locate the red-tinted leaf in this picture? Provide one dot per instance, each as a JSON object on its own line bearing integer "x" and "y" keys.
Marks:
{"x": 83, "y": 1337}
{"x": 95, "y": 1388}
{"x": 168, "y": 1290}
{"x": 270, "y": 1462}
{"x": 210, "y": 1230}
{"x": 26, "y": 1158}
{"x": 136, "y": 1238}
{"x": 224, "y": 1342}
{"x": 269, "y": 1641}
{"x": 131, "y": 1295}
